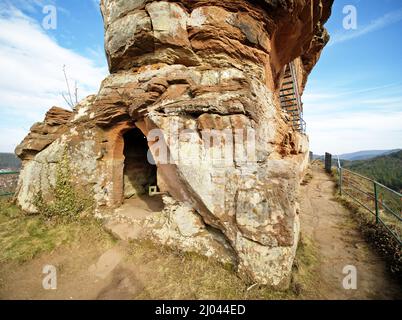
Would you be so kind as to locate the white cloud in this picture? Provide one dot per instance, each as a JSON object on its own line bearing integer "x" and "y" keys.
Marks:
{"x": 377, "y": 24}
{"x": 341, "y": 121}
{"x": 30, "y": 6}
{"x": 8, "y": 133}
{"x": 357, "y": 131}
{"x": 31, "y": 77}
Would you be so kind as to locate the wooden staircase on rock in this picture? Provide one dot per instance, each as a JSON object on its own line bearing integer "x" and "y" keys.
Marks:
{"x": 290, "y": 99}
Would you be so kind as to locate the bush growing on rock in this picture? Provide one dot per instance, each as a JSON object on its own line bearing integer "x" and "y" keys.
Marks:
{"x": 69, "y": 203}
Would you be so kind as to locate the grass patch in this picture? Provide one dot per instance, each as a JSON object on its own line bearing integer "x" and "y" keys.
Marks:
{"x": 307, "y": 178}
{"x": 174, "y": 275}
{"x": 304, "y": 277}
{"x": 22, "y": 237}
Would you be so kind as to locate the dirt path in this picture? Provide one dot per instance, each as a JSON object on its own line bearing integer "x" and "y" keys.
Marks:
{"x": 84, "y": 272}
{"x": 331, "y": 228}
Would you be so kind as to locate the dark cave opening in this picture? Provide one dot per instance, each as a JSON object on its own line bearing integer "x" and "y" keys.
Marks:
{"x": 139, "y": 174}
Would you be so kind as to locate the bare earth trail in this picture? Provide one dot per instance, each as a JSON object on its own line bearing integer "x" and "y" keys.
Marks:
{"x": 339, "y": 243}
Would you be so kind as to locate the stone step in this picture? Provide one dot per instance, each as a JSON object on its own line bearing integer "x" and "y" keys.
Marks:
{"x": 124, "y": 230}
{"x": 126, "y": 222}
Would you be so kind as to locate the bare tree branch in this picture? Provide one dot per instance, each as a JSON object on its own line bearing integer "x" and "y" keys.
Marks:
{"x": 65, "y": 99}
{"x": 76, "y": 92}
{"x": 69, "y": 98}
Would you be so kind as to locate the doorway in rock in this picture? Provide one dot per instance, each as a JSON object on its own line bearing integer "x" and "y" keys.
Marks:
{"x": 139, "y": 174}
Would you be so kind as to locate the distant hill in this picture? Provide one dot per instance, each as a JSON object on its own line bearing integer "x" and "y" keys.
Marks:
{"x": 386, "y": 169}
{"x": 9, "y": 161}
{"x": 366, "y": 155}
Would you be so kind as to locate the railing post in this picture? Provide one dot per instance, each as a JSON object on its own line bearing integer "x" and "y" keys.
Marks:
{"x": 377, "y": 213}
{"x": 340, "y": 176}
{"x": 328, "y": 162}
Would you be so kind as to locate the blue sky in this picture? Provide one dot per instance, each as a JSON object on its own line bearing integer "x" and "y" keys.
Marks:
{"x": 353, "y": 99}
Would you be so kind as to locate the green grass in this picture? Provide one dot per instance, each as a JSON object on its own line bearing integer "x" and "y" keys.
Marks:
{"x": 22, "y": 238}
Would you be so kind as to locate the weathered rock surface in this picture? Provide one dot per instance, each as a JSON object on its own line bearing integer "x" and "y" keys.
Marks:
{"x": 189, "y": 69}
{"x": 43, "y": 134}
{"x": 176, "y": 225}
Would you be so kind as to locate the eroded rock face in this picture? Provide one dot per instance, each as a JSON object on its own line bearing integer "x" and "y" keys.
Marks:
{"x": 186, "y": 70}
{"x": 43, "y": 134}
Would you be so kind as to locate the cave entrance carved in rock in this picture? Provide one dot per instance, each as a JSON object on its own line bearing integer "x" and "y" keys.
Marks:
{"x": 139, "y": 173}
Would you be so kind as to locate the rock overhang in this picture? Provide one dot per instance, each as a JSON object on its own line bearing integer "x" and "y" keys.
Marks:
{"x": 283, "y": 30}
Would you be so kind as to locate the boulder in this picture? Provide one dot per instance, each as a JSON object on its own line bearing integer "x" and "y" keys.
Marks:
{"x": 200, "y": 80}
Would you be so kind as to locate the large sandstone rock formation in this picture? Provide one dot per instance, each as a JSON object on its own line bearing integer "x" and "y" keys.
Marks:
{"x": 180, "y": 71}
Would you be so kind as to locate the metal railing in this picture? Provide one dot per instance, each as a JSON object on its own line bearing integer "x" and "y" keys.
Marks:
{"x": 382, "y": 202}
{"x": 303, "y": 126}
{"x": 298, "y": 98}
{"x": 290, "y": 98}
{"x": 8, "y": 182}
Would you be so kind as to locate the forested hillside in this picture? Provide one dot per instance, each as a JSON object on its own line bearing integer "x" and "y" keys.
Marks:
{"x": 9, "y": 161}
{"x": 385, "y": 169}
{"x": 366, "y": 154}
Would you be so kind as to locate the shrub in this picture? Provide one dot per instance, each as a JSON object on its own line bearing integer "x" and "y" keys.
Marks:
{"x": 68, "y": 203}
